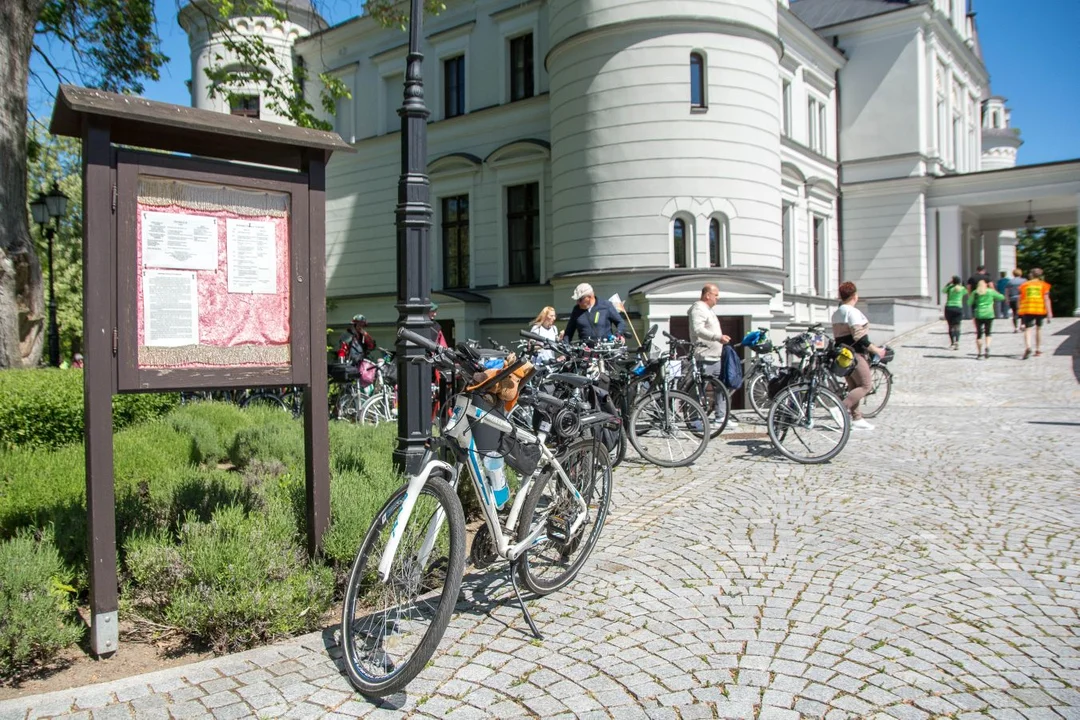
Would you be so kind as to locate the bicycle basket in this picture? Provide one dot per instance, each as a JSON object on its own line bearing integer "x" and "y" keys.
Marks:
{"x": 389, "y": 372}
{"x": 507, "y": 389}
{"x": 799, "y": 345}
{"x": 842, "y": 361}
{"x": 784, "y": 376}
{"x": 762, "y": 348}
{"x": 342, "y": 372}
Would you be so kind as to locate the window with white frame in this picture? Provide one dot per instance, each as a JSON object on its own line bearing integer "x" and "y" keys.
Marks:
{"x": 816, "y": 125}
{"x": 522, "y": 77}
{"x": 680, "y": 240}
{"x": 697, "y": 80}
{"x": 393, "y": 94}
{"x": 819, "y": 250}
{"x": 454, "y": 86}
{"x": 785, "y": 107}
{"x": 523, "y": 233}
{"x": 455, "y": 241}
{"x": 788, "y": 222}
{"x": 719, "y": 242}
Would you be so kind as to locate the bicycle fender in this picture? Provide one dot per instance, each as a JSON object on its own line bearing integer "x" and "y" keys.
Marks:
{"x": 416, "y": 484}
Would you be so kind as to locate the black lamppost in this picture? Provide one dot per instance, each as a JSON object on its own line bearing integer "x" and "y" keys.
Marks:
{"x": 413, "y": 215}
{"x": 46, "y": 208}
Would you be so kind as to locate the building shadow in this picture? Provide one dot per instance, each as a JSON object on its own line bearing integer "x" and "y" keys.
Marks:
{"x": 1071, "y": 346}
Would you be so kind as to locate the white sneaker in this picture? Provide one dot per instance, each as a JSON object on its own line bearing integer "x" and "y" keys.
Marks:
{"x": 861, "y": 424}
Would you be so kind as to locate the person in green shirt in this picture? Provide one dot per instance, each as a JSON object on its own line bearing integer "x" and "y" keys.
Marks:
{"x": 982, "y": 305}
{"x": 954, "y": 309}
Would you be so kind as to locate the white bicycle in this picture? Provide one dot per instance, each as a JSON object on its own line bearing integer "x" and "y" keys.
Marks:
{"x": 407, "y": 574}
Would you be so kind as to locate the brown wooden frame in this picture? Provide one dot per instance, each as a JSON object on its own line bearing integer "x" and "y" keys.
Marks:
{"x": 130, "y": 166}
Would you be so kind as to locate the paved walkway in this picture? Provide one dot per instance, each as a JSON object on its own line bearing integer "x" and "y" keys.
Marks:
{"x": 931, "y": 570}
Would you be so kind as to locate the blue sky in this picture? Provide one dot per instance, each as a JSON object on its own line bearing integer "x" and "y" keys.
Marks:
{"x": 1030, "y": 49}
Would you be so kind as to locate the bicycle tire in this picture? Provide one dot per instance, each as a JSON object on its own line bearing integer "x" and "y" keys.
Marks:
{"x": 375, "y": 410}
{"x": 881, "y": 388}
{"x": 581, "y": 461}
{"x": 294, "y": 402}
{"x": 786, "y": 422}
{"x": 363, "y": 639}
{"x": 707, "y": 397}
{"x": 757, "y": 393}
{"x": 349, "y": 405}
{"x": 650, "y": 415}
{"x": 264, "y": 399}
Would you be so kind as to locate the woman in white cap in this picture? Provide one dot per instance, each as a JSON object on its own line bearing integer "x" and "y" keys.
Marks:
{"x": 593, "y": 318}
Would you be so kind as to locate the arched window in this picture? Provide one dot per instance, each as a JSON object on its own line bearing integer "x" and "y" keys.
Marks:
{"x": 719, "y": 242}
{"x": 678, "y": 234}
{"x": 697, "y": 80}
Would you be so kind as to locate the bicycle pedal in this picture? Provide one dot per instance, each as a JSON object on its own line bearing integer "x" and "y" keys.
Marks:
{"x": 558, "y": 528}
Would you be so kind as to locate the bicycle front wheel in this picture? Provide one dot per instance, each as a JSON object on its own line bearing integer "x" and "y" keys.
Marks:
{"x": 554, "y": 561}
{"x": 376, "y": 409}
{"x": 808, "y": 425}
{"x": 390, "y": 629}
{"x": 881, "y": 387}
{"x": 349, "y": 405}
{"x": 669, "y": 429}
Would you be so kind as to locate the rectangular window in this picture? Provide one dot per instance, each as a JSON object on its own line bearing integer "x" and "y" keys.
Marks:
{"x": 957, "y": 143}
{"x": 245, "y": 106}
{"x": 819, "y": 255}
{"x": 785, "y": 110}
{"x": 523, "y": 232}
{"x": 788, "y": 215}
{"x": 697, "y": 80}
{"x": 454, "y": 86}
{"x": 455, "y": 241}
{"x": 816, "y": 125}
{"x": 393, "y": 92}
{"x": 521, "y": 67}
{"x": 941, "y": 140}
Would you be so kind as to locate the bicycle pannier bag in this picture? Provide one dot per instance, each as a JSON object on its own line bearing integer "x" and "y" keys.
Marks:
{"x": 785, "y": 376}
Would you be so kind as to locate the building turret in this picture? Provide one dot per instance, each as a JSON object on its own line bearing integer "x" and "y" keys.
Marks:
{"x": 999, "y": 141}
{"x": 205, "y": 36}
{"x": 664, "y": 118}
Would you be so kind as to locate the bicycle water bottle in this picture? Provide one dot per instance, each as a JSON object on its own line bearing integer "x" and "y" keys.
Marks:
{"x": 495, "y": 473}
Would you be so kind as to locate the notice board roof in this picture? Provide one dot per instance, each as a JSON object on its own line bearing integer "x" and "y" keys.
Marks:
{"x": 145, "y": 123}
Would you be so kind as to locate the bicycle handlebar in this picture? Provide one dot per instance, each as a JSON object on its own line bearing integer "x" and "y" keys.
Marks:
{"x": 417, "y": 339}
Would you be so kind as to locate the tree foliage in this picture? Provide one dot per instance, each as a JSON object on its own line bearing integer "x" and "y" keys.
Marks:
{"x": 1053, "y": 250}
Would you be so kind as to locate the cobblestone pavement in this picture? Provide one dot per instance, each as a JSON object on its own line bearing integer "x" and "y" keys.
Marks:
{"x": 929, "y": 571}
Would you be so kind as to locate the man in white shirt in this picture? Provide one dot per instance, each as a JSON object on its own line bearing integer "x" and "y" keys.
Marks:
{"x": 706, "y": 335}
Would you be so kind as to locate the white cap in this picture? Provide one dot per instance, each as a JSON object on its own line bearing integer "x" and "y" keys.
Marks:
{"x": 581, "y": 291}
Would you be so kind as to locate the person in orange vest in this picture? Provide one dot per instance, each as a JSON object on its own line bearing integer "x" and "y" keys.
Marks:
{"x": 1034, "y": 309}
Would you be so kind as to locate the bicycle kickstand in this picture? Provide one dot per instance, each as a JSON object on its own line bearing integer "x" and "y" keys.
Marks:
{"x": 521, "y": 602}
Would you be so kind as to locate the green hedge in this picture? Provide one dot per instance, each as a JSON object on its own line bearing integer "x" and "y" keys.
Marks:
{"x": 43, "y": 408}
{"x": 210, "y": 517}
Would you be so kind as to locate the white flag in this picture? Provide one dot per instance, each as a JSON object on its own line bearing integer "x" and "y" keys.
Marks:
{"x": 617, "y": 302}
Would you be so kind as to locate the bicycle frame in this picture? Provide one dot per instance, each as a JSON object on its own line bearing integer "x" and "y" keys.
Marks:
{"x": 502, "y": 541}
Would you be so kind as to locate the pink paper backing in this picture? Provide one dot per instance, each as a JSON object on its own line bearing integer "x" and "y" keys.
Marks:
{"x": 230, "y": 319}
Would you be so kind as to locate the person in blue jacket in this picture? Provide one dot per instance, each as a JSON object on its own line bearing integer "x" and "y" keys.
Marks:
{"x": 593, "y": 318}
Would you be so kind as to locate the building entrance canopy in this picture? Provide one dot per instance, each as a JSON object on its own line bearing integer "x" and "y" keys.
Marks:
{"x": 972, "y": 218}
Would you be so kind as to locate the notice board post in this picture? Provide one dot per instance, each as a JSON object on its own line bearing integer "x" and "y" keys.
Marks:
{"x": 200, "y": 272}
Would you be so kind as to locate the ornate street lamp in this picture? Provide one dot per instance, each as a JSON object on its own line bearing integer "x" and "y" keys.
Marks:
{"x": 413, "y": 215}
{"x": 1029, "y": 221}
{"x": 46, "y": 209}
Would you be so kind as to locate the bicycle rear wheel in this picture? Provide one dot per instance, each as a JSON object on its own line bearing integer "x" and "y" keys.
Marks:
{"x": 377, "y": 409}
{"x": 669, "y": 429}
{"x": 554, "y": 561}
{"x": 390, "y": 629}
{"x": 881, "y": 387}
{"x": 808, "y": 425}
{"x": 264, "y": 399}
{"x": 757, "y": 392}
{"x": 349, "y": 405}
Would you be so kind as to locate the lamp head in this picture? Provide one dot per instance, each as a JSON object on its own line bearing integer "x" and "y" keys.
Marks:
{"x": 56, "y": 201}
{"x": 39, "y": 209}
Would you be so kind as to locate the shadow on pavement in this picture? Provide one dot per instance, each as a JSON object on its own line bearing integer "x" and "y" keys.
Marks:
{"x": 1053, "y": 422}
{"x": 1071, "y": 346}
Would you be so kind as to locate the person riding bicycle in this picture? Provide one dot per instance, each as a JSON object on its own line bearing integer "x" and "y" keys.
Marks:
{"x": 356, "y": 343}
{"x": 851, "y": 327}
{"x": 708, "y": 339}
{"x": 593, "y": 318}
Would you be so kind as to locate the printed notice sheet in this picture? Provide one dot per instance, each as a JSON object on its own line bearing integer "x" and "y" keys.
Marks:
{"x": 170, "y": 308}
{"x": 179, "y": 241}
{"x": 251, "y": 248}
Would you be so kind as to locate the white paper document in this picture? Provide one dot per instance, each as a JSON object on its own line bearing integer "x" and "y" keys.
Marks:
{"x": 170, "y": 308}
{"x": 179, "y": 241}
{"x": 251, "y": 250}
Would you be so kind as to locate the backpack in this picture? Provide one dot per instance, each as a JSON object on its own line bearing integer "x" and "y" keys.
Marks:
{"x": 731, "y": 368}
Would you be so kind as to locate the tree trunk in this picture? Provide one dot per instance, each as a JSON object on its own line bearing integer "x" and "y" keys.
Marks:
{"x": 22, "y": 302}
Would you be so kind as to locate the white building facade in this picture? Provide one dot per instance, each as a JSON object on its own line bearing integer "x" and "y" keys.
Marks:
{"x": 648, "y": 148}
